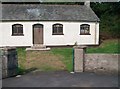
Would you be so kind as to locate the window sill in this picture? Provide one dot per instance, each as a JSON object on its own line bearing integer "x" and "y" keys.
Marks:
{"x": 17, "y": 35}
{"x": 84, "y": 34}
{"x": 57, "y": 34}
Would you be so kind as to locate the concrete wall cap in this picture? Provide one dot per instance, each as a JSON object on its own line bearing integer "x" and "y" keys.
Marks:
{"x": 79, "y": 47}
{"x": 7, "y": 48}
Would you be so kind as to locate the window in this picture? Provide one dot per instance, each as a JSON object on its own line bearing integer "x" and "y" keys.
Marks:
{"x": 17, "y": 30}
{"x": 84, "y": 29}
{"x": 57, "y": 29}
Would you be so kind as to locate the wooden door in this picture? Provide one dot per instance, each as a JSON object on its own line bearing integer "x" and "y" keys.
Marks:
{"x": 38, "y": 34}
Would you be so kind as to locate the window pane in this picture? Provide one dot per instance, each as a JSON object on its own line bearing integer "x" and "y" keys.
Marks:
{"x": 17, "y": 29}
{"x": 57, "y": 29}
{"x": 20, "y": 30}
{"x": 14, "y": 30}
{"x": 60, "y": 30}
{"x": 54, "y": 30}
{"x": 84, "y": 29}
{"x": 86, "y": 32}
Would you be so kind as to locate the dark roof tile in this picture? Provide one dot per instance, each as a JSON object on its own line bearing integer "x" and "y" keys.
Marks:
{"x": 48, "y": 12}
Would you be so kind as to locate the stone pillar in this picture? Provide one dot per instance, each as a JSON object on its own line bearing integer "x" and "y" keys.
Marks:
{"x": 9, "y": 62}
{"x": 79, "y": 52}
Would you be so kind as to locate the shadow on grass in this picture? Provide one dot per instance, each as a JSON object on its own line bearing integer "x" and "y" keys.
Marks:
{"x": 25, "y": 71}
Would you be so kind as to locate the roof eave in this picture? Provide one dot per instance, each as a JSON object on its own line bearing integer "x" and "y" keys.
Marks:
{"x": 7, "y": 20}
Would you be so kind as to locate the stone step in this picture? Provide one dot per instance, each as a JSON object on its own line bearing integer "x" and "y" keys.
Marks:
{"x": 38, "y": 46}
{"x": 40, "y": 49}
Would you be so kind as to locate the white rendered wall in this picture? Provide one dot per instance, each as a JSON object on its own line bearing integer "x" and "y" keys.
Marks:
{"x": 9, "y": 40}
{"x": 1, "y": 35}
{"x": 71, "y": 31}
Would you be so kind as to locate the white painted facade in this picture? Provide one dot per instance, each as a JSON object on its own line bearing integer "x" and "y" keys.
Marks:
{"x": 71, "y": 31}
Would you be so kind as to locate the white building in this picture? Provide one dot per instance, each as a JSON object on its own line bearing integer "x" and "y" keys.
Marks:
{"x": 50, "y": 25}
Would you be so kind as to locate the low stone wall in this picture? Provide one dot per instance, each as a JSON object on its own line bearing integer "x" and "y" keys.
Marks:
{"x": 99, "y": 63}
{"x": 103, "y": 63}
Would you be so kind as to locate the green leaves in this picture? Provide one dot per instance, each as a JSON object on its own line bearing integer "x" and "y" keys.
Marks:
{"x": 109, "y": 14}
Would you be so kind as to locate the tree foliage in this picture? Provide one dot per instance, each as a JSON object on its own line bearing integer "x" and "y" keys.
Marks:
{"x": 109, "y": 14}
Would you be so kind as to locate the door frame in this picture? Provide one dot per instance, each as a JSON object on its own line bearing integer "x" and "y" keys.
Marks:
{"x": 33, "y": 32}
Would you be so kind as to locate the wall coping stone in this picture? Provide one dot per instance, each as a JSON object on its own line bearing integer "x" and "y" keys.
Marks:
{"x": 80, "y": 47}
{"x": 7, "y": 48}
{"x": 102, "y": 54}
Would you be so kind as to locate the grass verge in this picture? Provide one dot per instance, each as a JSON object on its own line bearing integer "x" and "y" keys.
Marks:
{"x": 21, "y": 60}
{"x": 66, "y": 53}
{"x": 107, "y": 46}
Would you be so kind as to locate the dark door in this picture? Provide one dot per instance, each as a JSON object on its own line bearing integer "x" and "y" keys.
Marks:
{"x": 38, "y": 34}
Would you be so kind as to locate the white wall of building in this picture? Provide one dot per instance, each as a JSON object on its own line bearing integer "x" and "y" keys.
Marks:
{"x": 1, "y": 35}
{"x": 71, "y": 31}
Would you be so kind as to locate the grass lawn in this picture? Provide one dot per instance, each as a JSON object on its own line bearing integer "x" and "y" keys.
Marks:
{"x": 21, "y": 60}
{"x": 41, "y": 62}
{"x": 65, "y": 55}
{"x": 107, "y": 46}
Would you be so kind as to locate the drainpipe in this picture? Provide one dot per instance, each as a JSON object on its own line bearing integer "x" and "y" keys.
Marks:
{"x": 95, "y": 31}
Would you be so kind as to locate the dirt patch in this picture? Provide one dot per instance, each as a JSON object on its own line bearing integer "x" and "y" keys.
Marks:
{"x": 44, "y": 60}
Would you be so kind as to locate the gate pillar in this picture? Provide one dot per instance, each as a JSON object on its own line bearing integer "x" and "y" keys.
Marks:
{"x": 79, "y": 52}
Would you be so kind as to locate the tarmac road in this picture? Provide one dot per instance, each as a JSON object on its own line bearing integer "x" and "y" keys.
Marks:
{"x": 61, "y": 79}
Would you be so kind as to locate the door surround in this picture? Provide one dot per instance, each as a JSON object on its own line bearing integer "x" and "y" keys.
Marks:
{"x": 38, "y": 34}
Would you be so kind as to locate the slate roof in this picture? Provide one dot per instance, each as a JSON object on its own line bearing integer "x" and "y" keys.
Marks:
{"x": 48, "y": 12}
{"x": 21, "y": 0}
